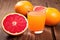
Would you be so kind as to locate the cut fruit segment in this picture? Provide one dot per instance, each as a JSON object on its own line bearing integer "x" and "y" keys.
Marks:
{"x": 14, "y": 24}
{"x": 39, "y": 8}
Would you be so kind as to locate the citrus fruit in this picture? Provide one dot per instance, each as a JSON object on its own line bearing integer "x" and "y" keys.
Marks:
{"x": 52, "y": 16}
{"x": 39, "y": 8}
{"x": 14, "y": 24}
{"x": 23, "y": 7}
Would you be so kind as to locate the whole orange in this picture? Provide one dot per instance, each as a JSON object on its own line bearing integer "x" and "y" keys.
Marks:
{"x": 23, "y": 7}
{"x": 52, "y": 16}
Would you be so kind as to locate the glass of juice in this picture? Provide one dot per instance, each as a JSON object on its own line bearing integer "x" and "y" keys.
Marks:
{"x": 36, "y": 21}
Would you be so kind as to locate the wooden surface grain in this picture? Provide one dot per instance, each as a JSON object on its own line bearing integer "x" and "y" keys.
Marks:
{"x": 46, "y": 35}
{"x": 57, "y": 31}
{"x": 7, "y": 6}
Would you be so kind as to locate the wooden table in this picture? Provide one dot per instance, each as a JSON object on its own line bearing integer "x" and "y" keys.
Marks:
{"x": 50, "y": 33}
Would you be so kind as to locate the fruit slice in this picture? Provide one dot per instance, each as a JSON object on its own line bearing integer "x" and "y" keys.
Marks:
{"x": 14, "y": 24}
{"x": 23, "y": 7}
{"x": 39, "y": 8}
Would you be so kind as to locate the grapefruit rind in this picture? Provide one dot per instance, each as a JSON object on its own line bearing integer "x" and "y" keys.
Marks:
{"x": 14, "y": 33}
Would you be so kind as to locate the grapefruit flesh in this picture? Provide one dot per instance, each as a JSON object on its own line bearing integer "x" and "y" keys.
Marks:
{"x": 39, "y": 8}
{"x": 14, "y": 24}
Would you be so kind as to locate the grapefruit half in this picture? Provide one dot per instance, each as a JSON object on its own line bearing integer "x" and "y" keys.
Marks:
{"x": 39, "y": 8}
{"x": 14, "y": 24}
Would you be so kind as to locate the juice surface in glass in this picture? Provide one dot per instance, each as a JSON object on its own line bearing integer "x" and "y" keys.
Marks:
{"x": 36, "y": 21}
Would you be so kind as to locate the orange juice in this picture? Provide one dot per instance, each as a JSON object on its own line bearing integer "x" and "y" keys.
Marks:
{"x": 36, "y": 21}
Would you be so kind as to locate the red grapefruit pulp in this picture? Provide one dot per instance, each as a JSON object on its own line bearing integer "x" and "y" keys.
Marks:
{"x": 14, "y": 23}
{"x": 39, "y": 8}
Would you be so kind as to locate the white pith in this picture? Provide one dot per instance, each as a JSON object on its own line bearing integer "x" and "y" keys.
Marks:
{"x": 14, "y": 23}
